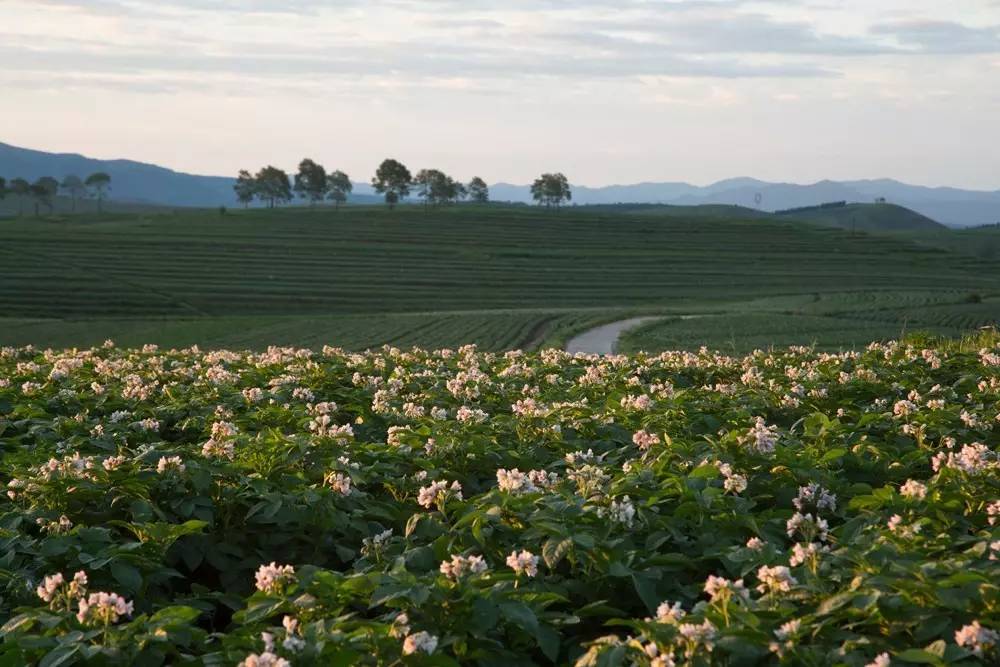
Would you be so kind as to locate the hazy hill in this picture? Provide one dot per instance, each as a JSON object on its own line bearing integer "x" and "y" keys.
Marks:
{"x": 136, "y": 181}
{"x": 867, "y": 217}
{"x": 130, "y": 181}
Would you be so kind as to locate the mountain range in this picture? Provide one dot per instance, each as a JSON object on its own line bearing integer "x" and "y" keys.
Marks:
{"x": 146, "y": 183}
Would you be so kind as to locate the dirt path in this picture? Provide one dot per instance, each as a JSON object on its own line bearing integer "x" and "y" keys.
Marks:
{"x": 604, "y": 339}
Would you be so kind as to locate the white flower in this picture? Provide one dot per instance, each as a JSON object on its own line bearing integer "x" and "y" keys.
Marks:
{"x": 814, "y": 496}
{"x": 789, "y": 629}
{"x": 523, "y": 563}
{"x": 622, "y": 511}
{"x": 420, "y": 641}
{"x": 761, "y": 438}
{"x": 755, "y": 544}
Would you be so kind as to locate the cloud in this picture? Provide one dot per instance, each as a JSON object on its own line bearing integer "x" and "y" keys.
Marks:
{"x": 941, "y": 37}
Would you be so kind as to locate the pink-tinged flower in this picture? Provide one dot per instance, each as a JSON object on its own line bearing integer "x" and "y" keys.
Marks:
{"x": 339, "y": 482}
{"x": 273, "y": 578}
{"x": 644, "y": 439}
{"x": 976, "y": 638}
{"x": 670, "y": 613}
{"x": 524, "y": 562}
{"x": 913, "y": 489}
{"x": 55, "y": 590}
{"x": 720, "y": 587}
{"x": 777, "y": 579}
{"x": 103, "y": 608}
{"x": 461, "y": 566}
{"x": 265, "y": 659}
{"x": 881, "y": 660}
{"x": 168, "y": 464}
{"x": 420, "y": 641}
{"x": 438, "y": 493}
{"x": 756, "y": 544}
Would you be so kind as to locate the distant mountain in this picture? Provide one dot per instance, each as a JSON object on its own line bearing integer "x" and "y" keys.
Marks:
{"x": 950, "y": 206}
{"x": 139, "y": 182}
{"x": 131, "y": 181}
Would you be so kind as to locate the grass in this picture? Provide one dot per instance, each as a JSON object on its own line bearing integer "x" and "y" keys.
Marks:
{"x": 498, "y": 276}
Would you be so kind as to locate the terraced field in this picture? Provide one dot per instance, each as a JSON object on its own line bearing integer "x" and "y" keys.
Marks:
{"x": 498, "y": 276}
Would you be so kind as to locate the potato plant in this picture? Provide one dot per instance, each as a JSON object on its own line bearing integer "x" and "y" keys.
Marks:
{"x": 454, "y": 507}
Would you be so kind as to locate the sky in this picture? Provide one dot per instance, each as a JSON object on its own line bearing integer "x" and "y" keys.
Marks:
{"x": 606, "y": 91}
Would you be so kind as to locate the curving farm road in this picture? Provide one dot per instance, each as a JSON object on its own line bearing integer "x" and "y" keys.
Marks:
{"x": 604, "y": 339}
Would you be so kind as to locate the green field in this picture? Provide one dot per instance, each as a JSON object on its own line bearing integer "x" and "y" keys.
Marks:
{"x": 498, "y": 276}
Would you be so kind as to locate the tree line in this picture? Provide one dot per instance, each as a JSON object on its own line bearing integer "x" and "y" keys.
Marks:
{"x": 393, "y": 180}
{"x": 44, "y": 190}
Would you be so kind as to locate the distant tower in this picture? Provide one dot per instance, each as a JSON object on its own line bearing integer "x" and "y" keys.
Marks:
{"x": 757, "y": 199}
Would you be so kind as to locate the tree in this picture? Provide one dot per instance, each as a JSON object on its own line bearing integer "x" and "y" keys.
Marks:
{"x": 73, "y": 186}
{"x": 339, "y": 186}
{"x": 429, "y": 185}
{"x": 245, "y": 188}
{"x": 3, "y": 187}
{"x": 310, "y": 182}
{"x": 456, "y": 190}
{"x": 20, "y": 188}
{"x": 551, "y": 190}
{"x": 43, "y": 190}
{"x": 393, "y": 180}
{"x": 273, "y": 186}
{"x": 98, "y": 184}
{"x": 478, "y": 191}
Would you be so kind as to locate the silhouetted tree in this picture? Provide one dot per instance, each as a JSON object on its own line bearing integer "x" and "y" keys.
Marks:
{"x": 310, "y": 182}
{"x": 273, "y": 186}
{"x": 74, "y": 187}
{"x": 20, "y": 188}
{"x": 339, "y": 185}
{"x": 551, "y": 190}
{"x": 392, "y": 179}
{"x": 43, "y": 190}
{"x": 245, "y": 188}
{"x": 478, "y": 191}
{"x": 428, "y": 182}
{"x": 3, "y": 188}
{"x": 98, "y": 184}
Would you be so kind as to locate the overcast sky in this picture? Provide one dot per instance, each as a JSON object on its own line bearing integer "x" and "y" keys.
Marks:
{"x": 608, "y": 91}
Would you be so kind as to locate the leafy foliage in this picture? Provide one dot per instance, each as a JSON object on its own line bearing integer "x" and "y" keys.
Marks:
{"x": 459, "y": 507}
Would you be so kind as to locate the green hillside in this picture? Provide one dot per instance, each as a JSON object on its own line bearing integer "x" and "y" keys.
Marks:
{"x": 499, "y": 276}
{"x": 866, "y": 217}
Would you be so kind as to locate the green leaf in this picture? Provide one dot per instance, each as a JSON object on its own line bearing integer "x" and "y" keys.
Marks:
{"x": 59, "y": 655}
{"x": 521, "y": 615}
{"x": 918, "y": 655}
{"x": 833, "y": 455}
{"x": 126, "y": 575}
{"x": 554, "y": 550}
